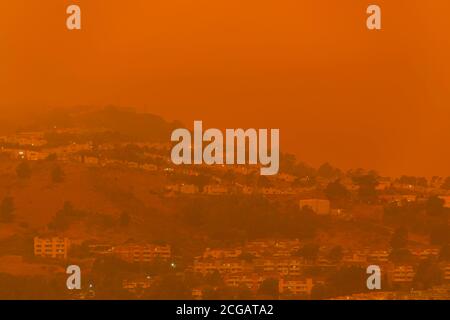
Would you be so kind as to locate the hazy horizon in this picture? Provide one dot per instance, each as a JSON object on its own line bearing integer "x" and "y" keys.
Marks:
{"x": 339, "y": 93}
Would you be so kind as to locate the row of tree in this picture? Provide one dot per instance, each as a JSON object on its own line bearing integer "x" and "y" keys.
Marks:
{"x": 23, "y": 171}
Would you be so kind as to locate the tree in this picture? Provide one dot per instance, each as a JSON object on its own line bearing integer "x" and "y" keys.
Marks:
{"x": 80, "y": 251}
{"x": 211, "y": 293}
{"x": 302, "y": 170}
{"x": 287, "y": 162}
{"x": 57, "y": 174}
{"x": 61, "y": 220}
{"x": 52, "y": 157}
{"x": 67, "y": 209}
{"x": 401, "y": 255}
{"x": 214, "y": 279}
{"x": 428, "y": 275}
{"x": 269, "y": 287}
{"x": 304, "y": 182}
{"x": 7, "y": 209}
{"x": 336, "y": 254}
{"x": 336, "y": 192}
{"x": 399, "y": 239}
{"x": 23, "y": 170}
{"x": 348, "y": 280}
{"x": 242, "y": 293}
{"x": 446, "y": 184}
{"x": 367, "y": 187}
{"x": 124, "y": 219}
{"x": 171, "y": 286}
{"x": 440, "y": 234}
{"x": 319, "y": 292}
{"x": 309, "y": 251}
{"x": 435, "y": 206}
{"x": 415, "y": 181}
{"x": 406, "y": 214}
{"x": 201, "y": 181}
{"x": 327, "y": 171}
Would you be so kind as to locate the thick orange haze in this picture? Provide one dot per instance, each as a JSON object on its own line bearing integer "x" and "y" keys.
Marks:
{"x": 337, "y": 91}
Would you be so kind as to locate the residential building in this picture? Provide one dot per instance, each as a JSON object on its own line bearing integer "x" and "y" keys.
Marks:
{"x": 446, "y": 271}
{"x": 250, "y": 280}
{"x": 295, "y": 285}
{"x": 378, "y": 256}
{"x": 54, "y": 247}
{"x": 403, "y": 274}
{"x": 222, "y": 253}
{"x": 142, "y": 253}
{"x": 215, "y": 189}
{"x": 183, "y": 188}
{"x": 137, "y": 284}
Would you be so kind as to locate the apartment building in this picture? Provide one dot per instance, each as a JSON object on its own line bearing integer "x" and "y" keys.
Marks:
{"x": 357, "y": 258}
{"x": 275, "y": 248}
{"x": 215, "y": 189}
{"x": 222, "y": 253}
{"x": 205, "y": 266}
{"x": 287, "y": 266}
{"x": 137, "y": 284}
{"x": 427, "y": 253}
{"x": 295, "y": 285}
{"x": 446, "y": 271}
{"x": 34, "y": 139}
{"x": 403, "y": 274}
{"x": 378, "y": 256}
{"x": 183, "y": 188}
{"x": 250, "y": 280}
{"x": 197, "y": 293}
{"x": 54, "y": 247}
{"x": 142, "y": 253}
{"x": 35, "y": 155}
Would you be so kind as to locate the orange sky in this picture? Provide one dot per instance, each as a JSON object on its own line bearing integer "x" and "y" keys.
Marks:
{"x": 337, "y": 91}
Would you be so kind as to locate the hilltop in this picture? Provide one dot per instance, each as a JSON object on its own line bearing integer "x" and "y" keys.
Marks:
{"x": 126, "y": 122}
